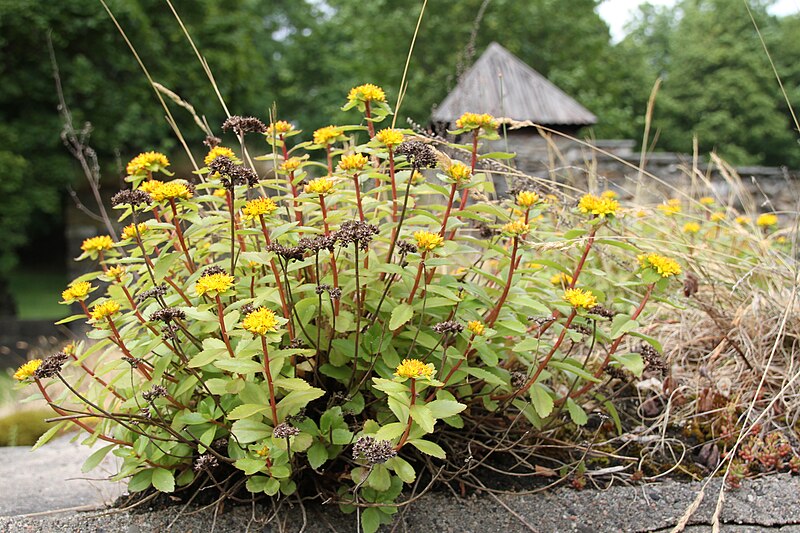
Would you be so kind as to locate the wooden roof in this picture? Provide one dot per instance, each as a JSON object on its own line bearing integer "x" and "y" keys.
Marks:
{"x": 501, "y": 84}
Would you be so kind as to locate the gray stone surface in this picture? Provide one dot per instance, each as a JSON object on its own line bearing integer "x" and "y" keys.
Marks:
{"x": 34, "y": 484}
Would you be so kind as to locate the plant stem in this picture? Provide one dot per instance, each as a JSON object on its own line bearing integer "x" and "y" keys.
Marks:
{"x": 404, "y": 438}
{"x": 394, "y": 184}
{"x": 221, "y": 317}
{"x": 448, "y": 209}
{"x": 284, "y": 306}
{"x": 176, "y": 222}
{"x": 491, "y": 317}
{"x": 268, "y": 376}
{"x": 334, "y": 270}
{"x": 420, "y": 268}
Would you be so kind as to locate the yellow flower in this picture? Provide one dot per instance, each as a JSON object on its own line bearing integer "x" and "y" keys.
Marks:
{"x": 213, "y": 283}
{"x": 561, "y": 279}
{"x": 291, "y": 164}
{"x": 579, "y": 298}
{"x": 263, "y": 452}
{"x": 414, "y": 369}
{"x": 171, "y": 189}
{"x": 366, "y": 93}
{"x": 671, "y": 207}
{"x": 150, "y": 186}
{"x": 220, "y": 193}
{"x": 663, "y": 265}
{"x": 595, "y": 205}
{"x": 260, "y": 322}
{"x": 717, "y": 217}
{"x": 319, "y": 186}
{"x": 97, "y": 244}
{"x": 327, "y": 135}
{"x": 28, "y": 370}
{"x": 766, "y": 220}
{"x": 389, "y": 136}
{"x": 116, "y": 272}
{"x": 280, "y": 127}
{"x": 516, "y": 228}
{"x": 77, "y": 291}
{"x": 129, "y": 231}
{"x": 608, "y": 194}
{"x": 691, "y": 227}
{"x": 427, "y": 241}
{"x": 527, "y": 199}
{"x": 743, "y": 220}
{"x": 353, "y": 162}
{"x": 458, "y": 171}
{"x": 218, "y": 151}
{"x": 473, "y": 121}
{"x": 259, "y": 207}
{"x": 707, "y": 200}
{"x": 641, "y": 213}
{"x": 476, "y": 327}
{"x": 147, "y": 162}
{"x": 104, "y": 310}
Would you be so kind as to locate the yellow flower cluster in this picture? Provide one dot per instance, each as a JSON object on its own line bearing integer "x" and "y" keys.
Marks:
{"x": 366, "y": 93}
{"x": 129, "y": 231}
{"x": 516, "y": 228}
{"x": 150, "y": 186}
{"x": 707, "y": 200}
{"x": 390, "y": 136}
{"x": 672, "y": 207}
{"x": 176, "y": 189}
{"x": 321, "y": 186}
{"x": 281, "y": 127}
{"x": 27, "y": 371}
{"x": 259, "y": 207}
{"x": 743, "y": 220}
{"x": 458, "y": 171}
{"x": 691, "y": 227}
{"x": 97, "y": 244}
{"x": 116, "y": 272}
{"x": 473, "y": 121}
{"x": 476, "y": 327}
{"x": 608, "y": 194}
{"x": 260, "y": 322}
{"x": 665, "y": 266}
{"x": 598, "y": 206}
{"x": 561, "y": 279}
{"x": 717, "y": 217}
{"x": 146, "y": 162}
{"x": 213, "y": 283}
{"x": 414, "y": 369}
{"x": 580, "y": 299}
{"x": 527, "y": 199}
{"x": 427, "y": 241}
{"x": 104, "y": 310}
{"x": 77, "y": 291}
{"x": 291, "y": 164}
{"x": 218, "y": 151}
{"x": 766, "y": 220}
{"x": 353, "y": 162}
{"x": 327, "y": 135}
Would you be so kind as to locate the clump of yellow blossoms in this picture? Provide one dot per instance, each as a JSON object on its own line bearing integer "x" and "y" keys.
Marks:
{"x": 665, "y": 266}
{"x": 327, "y": 135}
{"x": 77, "y": 291}
{"x": 473, "y": 121}
{"x": 259, "y": 207}
{"x": 104, "y": 310}
{"x": 414, "y": 369}
{"x": 476, "y": 327}
{"x": 691, "y": 227}
{"x": 743, "y": 220}
{"x": 97, "y": 244}
{"x": 366, "y": 93}
{"x": 516, "y": 228}
{"x": 527, "y": 199}
{"x": 260, "y": 322}
{"x": 427, "y": 241}
{"x": 561, "y": 279}
{"x": 598, "y": 206}
{"x": 580, "y": 299}
{"x": 458, "y": 171}
{"x": 321, "y": 186}
{"x": 129, "y": 231}
{"x": 390, "y": 137}
{"x": 291, "y": 164}
{"x": 281, "y": 127}
{"x": 176, "y": 189}
{"x": 672, "y": 207}
{"x": 707, "y": 200}
{"x": 717, "y": 217}
{"x": 218, "y": 151}
{"x": 28, "y": 370}
{"x": 766, "y": 220}
{"x": 608, "y": 194}
{"x": 116, "y": 272}
{"x": 146, "y": 162}
{"x": 213, "y": 283}
{"x": 150, "y": 185}
{"x": 353, "y": 162}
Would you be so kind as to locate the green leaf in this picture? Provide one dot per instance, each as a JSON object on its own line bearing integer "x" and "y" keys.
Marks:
{"x": 49, "y": 434}
{"x": 387, "y": 385}
{"x": 95, "y": 459}
{"x": 247, "y": 431}
{"x": 246, "y": 410}
{"x": 445, "y": 408}
{"x": 576, "y": 412}
{"x": 497, "y": 155}
{"x": 317, "y": 455}
{"x": 341, "y": 436}
{"x": 291, "y": 383}
{"x": 390, "y": 431}
{"x": 163, "y": 480}
{"x": 485, "y": 375}
{"x": 296, "y": 400}
{"x": 572, "y": 366}
{"x": 542, "y": 401}
{"x": 621, "y": 325}
{"x": 271, "y": 487}
{"x": 631, "y": 361}
{"x": 141, "y": 481}
{"x": 239, "y": 366}
{"x": 400, "y": 315}
{"x": 371, "y": 519}
{"x": 402, "y": 468}
{"x": 423, "y": 416}
{"x": 250, "y": 465}
{"x": 428, "y": 447}
{"x": 649, "y": 340}
{"x": 379, "y": 479}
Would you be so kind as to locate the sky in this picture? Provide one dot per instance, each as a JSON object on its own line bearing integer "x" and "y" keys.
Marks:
{"x": 618, "y": 12}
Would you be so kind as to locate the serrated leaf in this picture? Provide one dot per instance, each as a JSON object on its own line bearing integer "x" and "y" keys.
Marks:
{"x": 296, "y": 400}
{"x": 621, "y": 325}
{"x": 445, "y": 408}
{"x": 428, "y": 447}
{"x": 576, "y": 413}
{"x": 379, "y": 479}
{"x": 246, "y": 410}
{"x": 317, "y": 455}
{"x": 247, "y": 431}
{"x": 141, "y": 481}
{"x": 541, "y": 399}
{"x": 631, "y": 361}
{"x": 250, "y": 465}
{"x": 239, "y": 366}
{"x": 96, "y": 458}
{"x": 371, "y": 519}
{"x": 423, "y": 416}
{"x": 163, "y": 480}
{"x": 402, "y": 468}
{"x": 291, "y": 383}
{"x": 400, "y": 315}
{"x": 387, "y": 385}
{"x": 390, "y": 431}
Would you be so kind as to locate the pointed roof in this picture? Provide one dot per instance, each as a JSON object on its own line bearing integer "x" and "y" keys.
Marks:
{"x": 501, "y": 84}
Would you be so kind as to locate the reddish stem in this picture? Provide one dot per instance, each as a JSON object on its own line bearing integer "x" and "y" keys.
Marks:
{"x": 417, "y": 278}
{"x": 491, "y": 317}
{"x": 334, "y": 270}
{"x": 176, "y": 222}
{"x": 404, "y": 438}
{"x": 284, "y": 306}
{"x": 394, "y": 184}
{"x": 358, "y": 197}
{"x": 268, "y": 375}
{"x": 98, "y": 379}
{"x": 221, "y": 316}
{"x": 448, "y": 208}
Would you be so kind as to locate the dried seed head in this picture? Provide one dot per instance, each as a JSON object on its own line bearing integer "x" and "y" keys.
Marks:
{"x": 374, "y": 451}
{"x": 356, "y": 232}
{"x": 317, "y": 244}
{"x": 51, "y": 366}
{"x": 156, "y": 391}
{"x": 284, "y": 430}
{"x": 335, "y": 292}
{"x": 518, "y": 379}
{"x": 448, "y": 327}
{"x": 602, "y": 311}
{"x": 242, "y": 125}
{"x": 134, "y": 362}
{"x": 167, "y": 315}
{"x": 288, "y": 253}
{"x": 205, "y": 462}
{"x": 419, "y": 154}
{"x": 406, "y": 247}
{"x": 132, "y": 197}
{"x": 155, "y": 292}
{"x": 212, "y": 142}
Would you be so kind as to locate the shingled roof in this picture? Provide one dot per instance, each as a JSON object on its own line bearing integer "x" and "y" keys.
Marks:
{"x": 520, "y": 93}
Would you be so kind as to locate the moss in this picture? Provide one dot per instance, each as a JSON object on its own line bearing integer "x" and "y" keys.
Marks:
{"x": 24, "y": 427}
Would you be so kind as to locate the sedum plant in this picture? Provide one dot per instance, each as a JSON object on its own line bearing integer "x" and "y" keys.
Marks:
{"x": 362, "y": 313}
